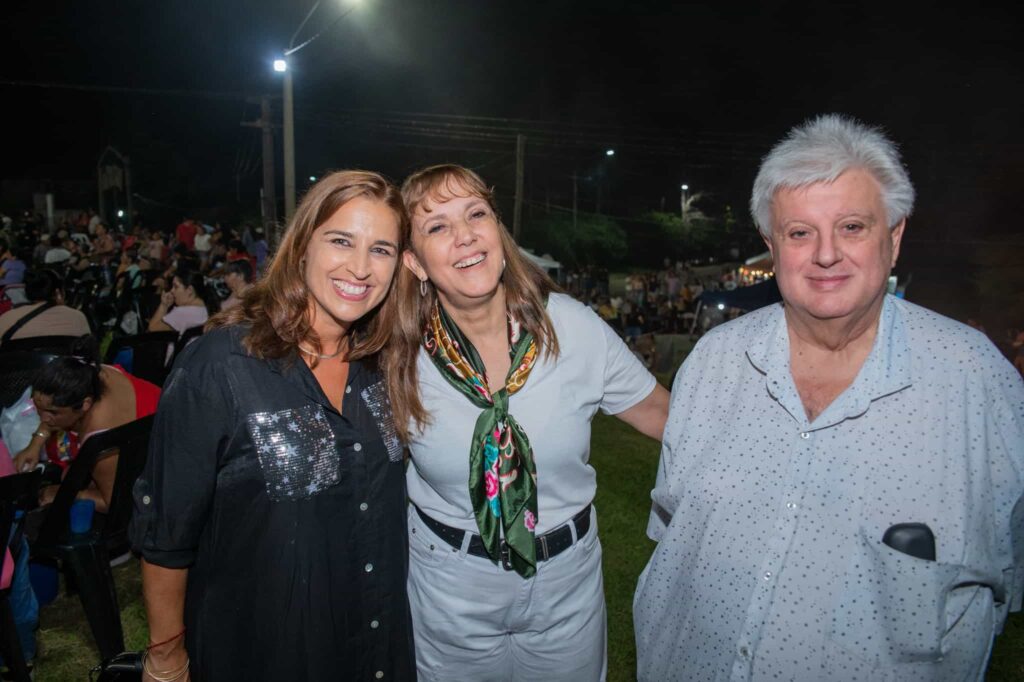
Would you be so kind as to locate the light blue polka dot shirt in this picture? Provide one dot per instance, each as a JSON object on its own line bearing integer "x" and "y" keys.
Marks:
{"x": 770, "y": 563}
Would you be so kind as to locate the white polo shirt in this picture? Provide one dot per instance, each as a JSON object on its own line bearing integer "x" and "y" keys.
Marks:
{"x": 594, "y": 369}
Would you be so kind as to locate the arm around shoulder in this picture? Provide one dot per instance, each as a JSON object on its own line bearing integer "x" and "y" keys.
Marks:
{"x": 649, "y": 415}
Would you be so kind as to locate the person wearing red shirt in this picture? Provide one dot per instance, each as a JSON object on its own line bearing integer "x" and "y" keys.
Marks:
{"x": 186, "y": 233}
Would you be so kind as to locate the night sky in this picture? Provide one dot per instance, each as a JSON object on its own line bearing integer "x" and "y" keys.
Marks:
{"x": 692, "y": 93}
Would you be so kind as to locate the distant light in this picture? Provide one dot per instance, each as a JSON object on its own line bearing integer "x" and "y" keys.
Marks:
{"x": 312, "y": 178}
{"x": 120, "y": 214}
{"x": 685, "y": 187}
{"x": 721, "y": 306}
{"x": 610, "y": 152}
{"x": 280, "y": 65}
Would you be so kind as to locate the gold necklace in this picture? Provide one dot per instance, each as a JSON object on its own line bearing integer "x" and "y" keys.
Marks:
{"x": 328, "y": 356}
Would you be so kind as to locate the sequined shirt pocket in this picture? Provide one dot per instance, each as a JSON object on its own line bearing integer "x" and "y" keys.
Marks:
{"x": 297, "y": 451}
{"x": 376, "y": 399}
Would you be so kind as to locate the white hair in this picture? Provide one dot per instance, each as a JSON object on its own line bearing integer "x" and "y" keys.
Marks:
{"x": 821, "y": 150}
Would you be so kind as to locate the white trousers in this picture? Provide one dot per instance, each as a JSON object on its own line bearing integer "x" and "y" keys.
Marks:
{"x": 476, "y": 622}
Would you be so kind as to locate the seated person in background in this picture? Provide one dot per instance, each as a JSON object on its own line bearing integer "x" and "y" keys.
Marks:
{"x": 14, "y": 575}
{"x": 129, "y": 267}
{"x": 45, "y": 313}
{"x": 238, "y": 276}
{"x": 77, "y": 395}
{"x": 12, "y": 266}
{"x": 236, "y": 252}
{"x": 184, "y": 306}
{"x": 645, "y": 348}
{"x": 56, "y": 252}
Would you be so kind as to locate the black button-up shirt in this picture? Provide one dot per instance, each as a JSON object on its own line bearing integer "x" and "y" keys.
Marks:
{"x": 289, "y": 516}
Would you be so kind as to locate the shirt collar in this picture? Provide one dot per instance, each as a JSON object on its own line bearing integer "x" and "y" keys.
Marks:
{"x": 292, "y": 369}
{"x": 886, "y": 370}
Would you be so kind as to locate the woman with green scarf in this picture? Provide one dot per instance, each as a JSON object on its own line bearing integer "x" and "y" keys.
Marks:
{"x": 495, "y": 377}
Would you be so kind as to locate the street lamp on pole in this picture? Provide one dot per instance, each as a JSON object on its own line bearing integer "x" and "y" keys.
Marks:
{"x": 282, "y": 66}
{"x": 682, "y": 201}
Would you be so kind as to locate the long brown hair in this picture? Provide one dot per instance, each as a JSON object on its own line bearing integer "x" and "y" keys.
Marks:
{"x": 526, "y": 290}
{"x": 276, "y": 306}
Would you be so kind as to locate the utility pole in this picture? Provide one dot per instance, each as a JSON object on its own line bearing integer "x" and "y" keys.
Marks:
{"x": 517, "y": 212}
{"x": 574, "y": 196}
{"x": 269, "y": 200}
{"x": 130, "y": 223}
{"x": 289, "y": 149}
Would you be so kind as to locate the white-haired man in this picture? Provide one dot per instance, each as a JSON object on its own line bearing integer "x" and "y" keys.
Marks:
{"x": 841, "y": 487}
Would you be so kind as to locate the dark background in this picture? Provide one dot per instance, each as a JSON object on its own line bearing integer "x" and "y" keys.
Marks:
{"x": 692, "y": 93}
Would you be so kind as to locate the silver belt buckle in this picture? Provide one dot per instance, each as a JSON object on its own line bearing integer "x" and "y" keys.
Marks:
{"x": 504, "y": 554}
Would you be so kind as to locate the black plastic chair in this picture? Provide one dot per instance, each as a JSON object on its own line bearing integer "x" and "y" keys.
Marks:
{"x": 187, "y": 337}
{"x": 59, "y": 345}
{"x": 149, "y": 354}
{"x": 85, "y": 558}
{"x": 18, "y": 492}
{"x": 17, "y": 370}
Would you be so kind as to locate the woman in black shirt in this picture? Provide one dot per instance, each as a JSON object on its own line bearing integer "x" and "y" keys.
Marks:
{"x": 271, "y": 513}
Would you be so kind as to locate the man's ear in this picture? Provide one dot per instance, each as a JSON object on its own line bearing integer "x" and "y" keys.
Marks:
{"x": 897, "y": 239}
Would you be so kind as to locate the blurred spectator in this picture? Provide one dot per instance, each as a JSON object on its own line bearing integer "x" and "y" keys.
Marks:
{"x": 156, "y": 248}
{"x": 185, "y": 306}
{"x": 260, "y": 248}
{"x": 238, "y": 276}
{"x": 77, "y": 396}
{"x": 94, "y": 220}
{"x": 56, "y": 253}
{"x": 236, "y": 251}
{"x": 42, "y": 246}
{"x": 203, "y": 245}
{"x": 186, "y": 233}
{"x": 103, "y": 245}
{"x": 12, "y": 266}
{"x": 45, "y": 313}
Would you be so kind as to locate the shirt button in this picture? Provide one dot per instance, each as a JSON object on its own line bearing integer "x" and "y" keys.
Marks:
{"x": 348, "y": 389}
{"x": 364, "y": 507}
{"x": 805, "y": 435}
{"x": 791, "y": 505}
{"x": 146, "y": 499}
{"x": 357, "y": 447}
{"x": 767, "y": 575}
{"x": 374, "y": 624}
{"x": 368, "y": 568}
{"x": 744, "y": 651}
{"x": 379, "y": 674}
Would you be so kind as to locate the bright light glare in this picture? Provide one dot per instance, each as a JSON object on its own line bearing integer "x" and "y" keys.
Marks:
{"x": 120, "y": 214}
{"x": 610, "y": 152}
{"x": 280, "y": 65}
{"x": 312, "y": 178}
{"x": 685, "y": 187}
{"x": 721, "y": 306}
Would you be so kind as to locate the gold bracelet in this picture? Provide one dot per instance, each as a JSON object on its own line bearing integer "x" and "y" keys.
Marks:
{"x": 170, "y": 676}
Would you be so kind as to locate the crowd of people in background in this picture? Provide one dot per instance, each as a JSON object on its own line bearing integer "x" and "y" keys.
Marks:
{"x": 122, "y": 282}
{"x": 126, "y": 282}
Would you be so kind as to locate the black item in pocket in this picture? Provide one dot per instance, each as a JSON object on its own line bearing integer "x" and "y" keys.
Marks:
{"x": 913, "y": 539}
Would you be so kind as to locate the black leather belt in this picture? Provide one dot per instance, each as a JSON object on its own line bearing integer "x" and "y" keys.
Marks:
{"x": 550, "y": 544}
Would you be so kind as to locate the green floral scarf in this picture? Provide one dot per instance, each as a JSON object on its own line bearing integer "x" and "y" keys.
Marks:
{"x": 502, "y": 474}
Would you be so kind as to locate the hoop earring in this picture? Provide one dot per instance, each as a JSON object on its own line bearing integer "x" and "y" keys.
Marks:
{"x": 423, "y": 288}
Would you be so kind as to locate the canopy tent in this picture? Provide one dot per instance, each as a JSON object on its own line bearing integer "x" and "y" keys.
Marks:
{"x": 546, "y": 262}
{"x": 745, "y": 298}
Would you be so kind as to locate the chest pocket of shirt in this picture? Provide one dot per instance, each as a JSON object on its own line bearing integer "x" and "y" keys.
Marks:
{"x": 297, "y": 451}
{"x": 894, "y": 614}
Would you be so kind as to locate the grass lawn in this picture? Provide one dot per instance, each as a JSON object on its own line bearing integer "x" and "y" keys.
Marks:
{"x": 626, "y": 465}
